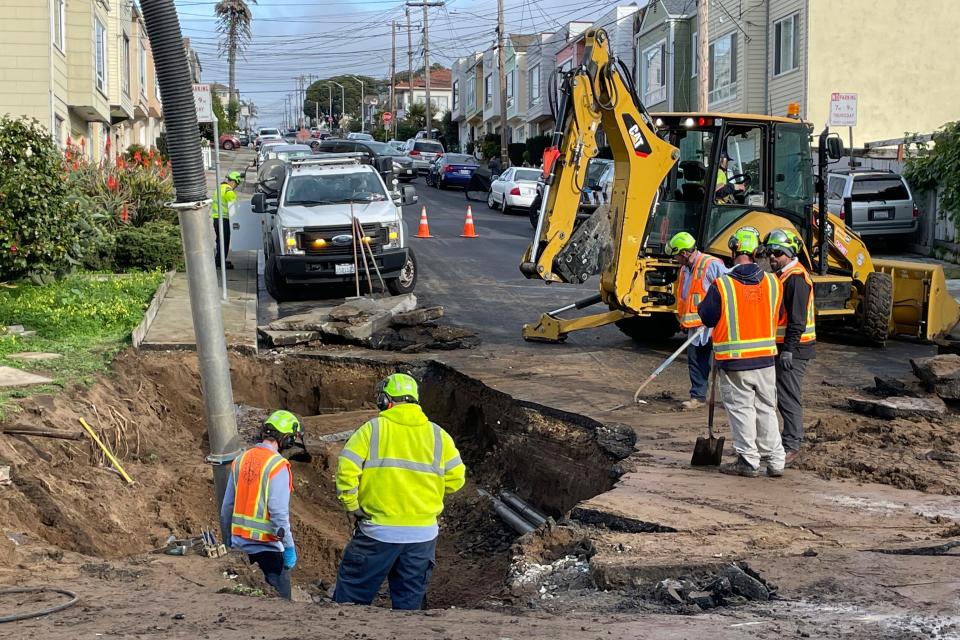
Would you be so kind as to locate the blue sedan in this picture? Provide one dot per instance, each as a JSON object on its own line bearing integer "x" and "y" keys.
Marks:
{"x": 452, "y": 170}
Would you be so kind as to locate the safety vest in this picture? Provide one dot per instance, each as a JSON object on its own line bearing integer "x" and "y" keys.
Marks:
{"x": 809, "y": 332}
{"x": 227, "y": 196}
{"x": 398, "y": 467}
{"x": 252, "y": 473}
{"x": 687, "y": 307}
{"x": 748, "y": 318}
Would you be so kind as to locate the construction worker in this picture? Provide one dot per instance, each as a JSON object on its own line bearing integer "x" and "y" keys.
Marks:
{"x": 391, "y": 478}
{"x": 725, "y": 190}
{"x": 743, "y": 306}
{"x": 226, "y": 206}
{"x": 698, "y": 270}
{"x": 256, "y": 504}
{"x": 796, "y": 334}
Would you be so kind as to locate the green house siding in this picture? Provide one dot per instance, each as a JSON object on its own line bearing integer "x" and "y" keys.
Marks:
{"x": 679, "y": 84}
{"x": 659, "y": 33}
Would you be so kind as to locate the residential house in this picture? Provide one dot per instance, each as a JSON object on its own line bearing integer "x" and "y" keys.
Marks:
{"x": 120, "y": 55}
{"x": 441, "y": 93}
{"x": 665, "y": 69}
{"x": 490, "y": 95}
{"x": 466, "y": 97}
{"x": 193, "y": 60}
{"x": 541, "y": 64}
{"x": 148, "y": 122}
{"x": 515, "y": 68}
{"x": 222, "y": 92}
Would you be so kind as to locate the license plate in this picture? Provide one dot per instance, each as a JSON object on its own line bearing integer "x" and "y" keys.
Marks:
{"x": 882, "y": 214}
{"x": 410, "y": 172}
{"x": 464, "y": 172}
{"x": 347, "y": 269}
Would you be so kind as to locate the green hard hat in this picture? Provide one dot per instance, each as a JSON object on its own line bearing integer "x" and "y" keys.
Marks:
{"x": 745, "y": 240}
{"x": 782, "y": 240}
{"x": 283, "y": 422}
{"x": 682, "y": 241}
{"x": 400, "y": 386}
{"x": 235, "y": 176}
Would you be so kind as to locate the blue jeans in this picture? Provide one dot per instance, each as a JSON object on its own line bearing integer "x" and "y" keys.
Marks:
{"x": 699, "y": 360}
{"x": 366, "y": 562}
{"x": 271, "y": 563}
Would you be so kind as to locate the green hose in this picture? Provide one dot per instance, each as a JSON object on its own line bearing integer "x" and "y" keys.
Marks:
{"x": 42, "y": 612}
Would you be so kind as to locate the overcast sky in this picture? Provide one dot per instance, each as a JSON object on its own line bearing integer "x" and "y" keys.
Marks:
{"x": 293, "y": 37}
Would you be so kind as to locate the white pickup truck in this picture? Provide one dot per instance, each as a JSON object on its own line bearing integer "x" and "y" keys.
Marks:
{"x": 308, "y": 207}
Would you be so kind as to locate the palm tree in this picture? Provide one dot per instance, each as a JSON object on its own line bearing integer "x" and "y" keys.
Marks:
{"x": 233, "y": 22}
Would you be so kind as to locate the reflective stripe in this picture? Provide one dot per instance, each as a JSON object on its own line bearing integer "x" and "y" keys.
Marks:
{"x": 250, "y": 518}
{"x": 453, "y": 463}
{"x": 264, "y": 496}
{"x": 745, "y": 345}
{"x": 255, "y": 524}
{"x": 397, "y": 463}
{"x": 374, "y": 461}
{"x": 374, "y": 440}
{"x": 809, "y": 331}
{"x": 348, "y": 492}
{"x": 352, "y": 457}
{"x": 730, "y": 299}
{"x": 437, "y": 446}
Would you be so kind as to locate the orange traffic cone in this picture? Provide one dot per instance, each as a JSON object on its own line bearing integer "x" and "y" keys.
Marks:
{"x": 424, "y": 230}
{"x": 468, "y": 229}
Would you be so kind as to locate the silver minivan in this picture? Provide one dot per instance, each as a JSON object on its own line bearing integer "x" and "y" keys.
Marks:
{"x": 876, "y": 204}
{"x": 423, "y": 152}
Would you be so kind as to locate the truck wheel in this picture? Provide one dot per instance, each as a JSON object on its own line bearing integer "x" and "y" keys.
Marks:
{"x": 877, "y": 307}
{"x": 276, "y": 284}
{"x": 407, "y": 280}
{"x": 655, "y": 328}
{"x": 534, "y": 210}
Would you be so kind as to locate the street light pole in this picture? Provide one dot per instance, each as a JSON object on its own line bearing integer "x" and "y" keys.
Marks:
{"x": 330, "y": 95}
{"x": 363, "y": 115}
{"x": 343, "y": 99}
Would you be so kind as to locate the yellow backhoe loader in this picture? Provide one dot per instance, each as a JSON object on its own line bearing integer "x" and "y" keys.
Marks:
{"x": 668, "y": 178}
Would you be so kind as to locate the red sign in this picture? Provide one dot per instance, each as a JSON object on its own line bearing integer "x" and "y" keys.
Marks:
{"x": 387, "y": 117}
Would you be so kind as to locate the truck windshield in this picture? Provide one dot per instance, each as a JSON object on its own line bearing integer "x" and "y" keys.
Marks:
{"x": 308, "y": 190}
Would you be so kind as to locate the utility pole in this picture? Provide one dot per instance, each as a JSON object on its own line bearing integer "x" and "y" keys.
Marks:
{"x": 393, "y": 75}
{"x": 703, "y": 52}
{"x": 409, "y": 61}
{"x": 426, "y": 61}
{"x": 502, "y": 73}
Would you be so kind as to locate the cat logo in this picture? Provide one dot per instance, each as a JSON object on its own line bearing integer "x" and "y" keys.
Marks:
{"x": 640, "y": 146}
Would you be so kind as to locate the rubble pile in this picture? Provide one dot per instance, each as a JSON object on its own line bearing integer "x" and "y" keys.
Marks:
{"x": 733, "y": 585}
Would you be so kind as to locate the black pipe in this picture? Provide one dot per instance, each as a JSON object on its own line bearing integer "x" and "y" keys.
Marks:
{"x": 176, "y": 91}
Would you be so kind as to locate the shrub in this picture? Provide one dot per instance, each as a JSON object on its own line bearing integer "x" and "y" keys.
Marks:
{"x": 38, "y": 224}
{"x": 516, "y": 150}
{"x": 155, "y": 245}
{"x": 536, "y": 145}
{"x": 491, "y": 145}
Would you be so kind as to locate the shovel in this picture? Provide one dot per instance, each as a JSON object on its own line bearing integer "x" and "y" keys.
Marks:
{"x": 708, "y": 452}
{"x": 665, "y": 364}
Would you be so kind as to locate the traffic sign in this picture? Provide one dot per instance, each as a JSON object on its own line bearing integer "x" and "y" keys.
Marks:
{"x": 843, "y": 110}
{"x": 203, "y": 100}
{"x": 387, "y": 117}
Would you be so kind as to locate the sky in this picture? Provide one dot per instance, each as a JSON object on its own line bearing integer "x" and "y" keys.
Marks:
{"x": 333, "y": 37}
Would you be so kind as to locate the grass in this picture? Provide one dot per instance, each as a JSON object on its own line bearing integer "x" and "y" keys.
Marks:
{"x": 87, "y": 318}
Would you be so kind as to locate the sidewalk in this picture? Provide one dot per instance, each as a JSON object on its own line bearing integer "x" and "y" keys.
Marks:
{"x": 173, "y": 326}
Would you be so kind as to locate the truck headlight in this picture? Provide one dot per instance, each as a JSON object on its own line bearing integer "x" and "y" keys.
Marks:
{"x": 290, "y": 242}
{"x": 393, "y": 236}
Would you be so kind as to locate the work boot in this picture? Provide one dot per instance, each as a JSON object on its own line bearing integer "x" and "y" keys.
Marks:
{"x": 740, "y": 468}
{"x": 691, "y": 404}
{"x": 774, "y": 472}
{"x": 791, "y": 458}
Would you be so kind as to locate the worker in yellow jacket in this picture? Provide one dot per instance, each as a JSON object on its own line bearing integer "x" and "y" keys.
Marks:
{"x": 392, "y": 476}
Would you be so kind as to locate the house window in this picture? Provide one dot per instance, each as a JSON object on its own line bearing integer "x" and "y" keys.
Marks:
{"x": 723, "y": 68}
{"x": 488, "y": 89}
{"x": 100, "y": 56}
{"x": 786, "y": 51}
{"x": 125, "y": 66}
{"x": 695, "y": 54}
{"x": 533, "y": 84}
{"x": 510, "y": 85}
{"x": 59, "y": 21}
{"x": 652, "y": 76}
{"x": 58, "y": 130}
{"x": 471, "y": 93}
{"x": 143, "y": 69}
{"x": 438, "y": 104}
{"x": 456, "y": 94}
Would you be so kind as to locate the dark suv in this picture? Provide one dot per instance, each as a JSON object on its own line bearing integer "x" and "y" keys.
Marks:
{"x": 403, "y": 167}
{"x": 875, "y": 204}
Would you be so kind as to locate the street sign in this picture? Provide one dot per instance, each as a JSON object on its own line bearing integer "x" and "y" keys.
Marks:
{"x": 203, "y": 100}
{"x": 843, "y": 110}
{"x": 387, "y": 117}
{"x": 245, "y": 111}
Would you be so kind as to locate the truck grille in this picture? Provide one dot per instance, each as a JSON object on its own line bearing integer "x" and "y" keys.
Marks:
{"x": 344, "y": 246}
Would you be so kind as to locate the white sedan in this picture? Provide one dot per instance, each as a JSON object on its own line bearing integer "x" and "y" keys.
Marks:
{"x": 515, "y": 188}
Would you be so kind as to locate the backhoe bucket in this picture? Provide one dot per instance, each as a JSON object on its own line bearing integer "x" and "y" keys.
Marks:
{"x": 922, "y": 306}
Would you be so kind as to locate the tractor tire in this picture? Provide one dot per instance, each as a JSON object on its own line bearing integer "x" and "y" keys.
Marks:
{"x": 649, "y": 329}
{"x": 877, "y": 307}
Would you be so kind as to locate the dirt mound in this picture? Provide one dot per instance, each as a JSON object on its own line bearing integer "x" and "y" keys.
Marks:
{"x": 150, "y": 411}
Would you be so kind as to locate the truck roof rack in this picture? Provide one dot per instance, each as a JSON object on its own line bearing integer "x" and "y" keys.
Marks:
{"x": 321, "y": 159}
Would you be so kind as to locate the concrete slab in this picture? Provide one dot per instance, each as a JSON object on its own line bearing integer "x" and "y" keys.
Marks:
{"x": 34, "y": 356}
{"x": 10, "y": 377}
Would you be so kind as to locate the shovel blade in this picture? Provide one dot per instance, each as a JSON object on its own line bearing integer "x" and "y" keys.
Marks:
{"x": 707, "y": 452}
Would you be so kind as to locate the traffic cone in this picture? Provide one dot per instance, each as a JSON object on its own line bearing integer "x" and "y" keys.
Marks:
{"x": 424, "y": 230}
{"x": 468, "y": 229}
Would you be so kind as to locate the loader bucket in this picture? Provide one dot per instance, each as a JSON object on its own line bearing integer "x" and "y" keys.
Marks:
{"x": 922, "y": 306}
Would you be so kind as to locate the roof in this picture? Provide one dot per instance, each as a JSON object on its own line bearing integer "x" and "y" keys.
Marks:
{"x": 439, "y": 79}
{"x": 522, "y": 41}
{"x": 680, "y": 7}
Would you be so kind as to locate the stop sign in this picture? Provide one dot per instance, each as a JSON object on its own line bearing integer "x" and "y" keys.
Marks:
{"x": 387, "y": 117}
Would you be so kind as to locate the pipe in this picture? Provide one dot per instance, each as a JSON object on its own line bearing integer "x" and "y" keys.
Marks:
{"x": 525, "y": 511}
{"x": 511, "y": 518}
{"x": 193, "y": 209}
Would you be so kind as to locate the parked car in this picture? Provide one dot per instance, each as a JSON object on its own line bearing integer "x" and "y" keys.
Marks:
{"x": 402, "y": 165}
{"x": 287, "y": 152}
{"x": 307, "y": 234}
{"x": 267, "y": 134}
{"x": 451, "y": 170}
{"x": 423, "y": 134}
{"x": 356, "y": 135}
{"x": 515, "y": 188}
{"x": 422, "y": 152}
{"x": 229, "y": 141}
{"x": 265, "y": 148}
{"x": 595, "y": 192}
{"x": 875, "y": 204}
{"x": 244, "y": 138}
{"x": 396, "y": 144}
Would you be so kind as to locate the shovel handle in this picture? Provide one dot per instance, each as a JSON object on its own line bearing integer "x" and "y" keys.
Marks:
{"x": 666, "y": 363}
{"x": 711, "y": 404}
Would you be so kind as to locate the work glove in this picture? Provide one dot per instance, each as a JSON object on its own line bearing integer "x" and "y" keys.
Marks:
{"x": 289, "y": 558}
{"x": 356, "y": 516}
{"x": 786, "y": 360}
